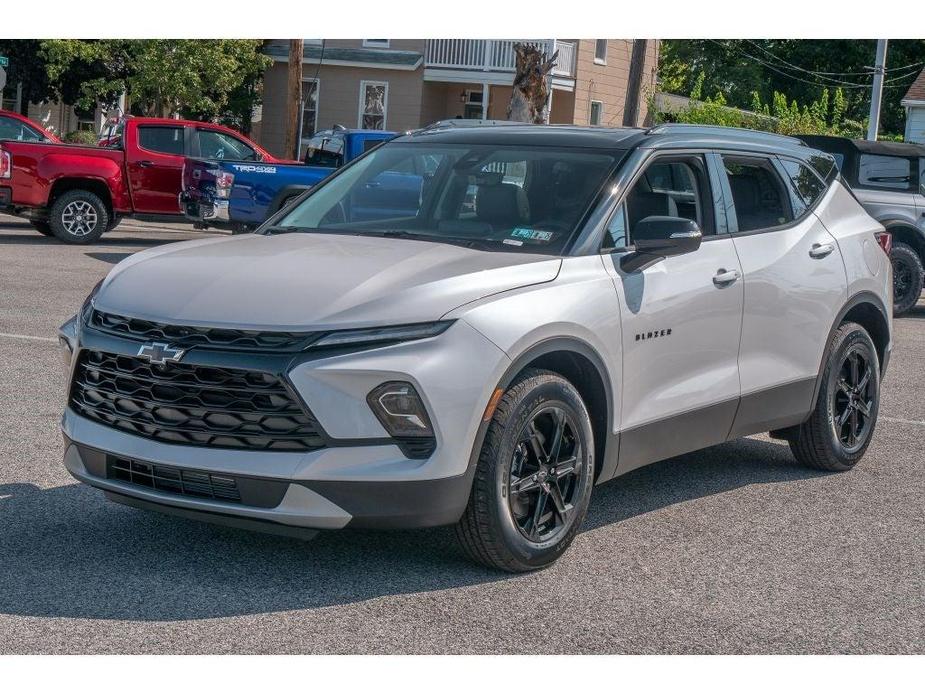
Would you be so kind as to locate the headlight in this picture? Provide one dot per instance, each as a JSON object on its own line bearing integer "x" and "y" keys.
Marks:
{"x": 371, "y": 336}
{"x": 67, "y": 342}
{"x": 88, "y": 302}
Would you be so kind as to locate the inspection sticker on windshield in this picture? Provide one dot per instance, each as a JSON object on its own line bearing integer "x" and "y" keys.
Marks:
{"x": 531, "y": 234}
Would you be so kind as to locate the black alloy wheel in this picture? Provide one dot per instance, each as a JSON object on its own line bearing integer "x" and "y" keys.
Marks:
{"x": 546, "y": 472}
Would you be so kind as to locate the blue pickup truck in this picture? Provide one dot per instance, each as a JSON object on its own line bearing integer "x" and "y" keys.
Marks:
{"x": 240, "y": 195}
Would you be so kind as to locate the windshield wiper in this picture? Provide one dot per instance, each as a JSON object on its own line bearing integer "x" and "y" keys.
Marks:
{"x": 284, "y": 230}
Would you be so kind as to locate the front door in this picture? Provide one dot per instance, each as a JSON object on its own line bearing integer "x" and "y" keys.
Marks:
{"x": 795, "y": 284}
{"x": 155, "y": 168}
{"x": 681, "y": 319}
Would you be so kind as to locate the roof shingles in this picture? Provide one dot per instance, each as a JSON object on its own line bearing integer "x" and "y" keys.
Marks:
{"x": 917, "y": 90}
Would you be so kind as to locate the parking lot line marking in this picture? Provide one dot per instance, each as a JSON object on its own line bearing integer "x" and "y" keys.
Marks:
{"x": 900, "y": 420}
{"x": 29, "y": 337}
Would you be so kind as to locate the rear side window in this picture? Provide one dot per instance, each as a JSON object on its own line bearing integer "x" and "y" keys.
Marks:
{"x": 876, "y": 171}
{"x": 325, "y": 149}
{"x": 216, "y": 145}
{"x": 759, "y": 195}
{"x": 12, "y": 129}
{"x": 167, "y": 140}
{"x": 807, "y": 186}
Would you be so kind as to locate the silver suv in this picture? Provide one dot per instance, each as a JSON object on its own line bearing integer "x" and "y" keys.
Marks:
{"x": 564, "y": 305}
{"x": 888, "y": 179}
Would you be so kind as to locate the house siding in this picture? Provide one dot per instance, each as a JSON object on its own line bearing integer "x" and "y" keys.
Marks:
{"x": 915, "y": 124}
{"x": 608, "y": 83}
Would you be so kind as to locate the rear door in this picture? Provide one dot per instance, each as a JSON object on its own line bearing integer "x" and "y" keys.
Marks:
{"x": 681, "y": 317}
{"x": 155, "y": 167}
{"x": 795, "y": 285}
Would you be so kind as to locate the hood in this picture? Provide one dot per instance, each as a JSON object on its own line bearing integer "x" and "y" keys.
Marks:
{"x": 311, "y": 281}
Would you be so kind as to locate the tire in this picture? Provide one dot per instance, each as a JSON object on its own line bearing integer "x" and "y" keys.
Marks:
{"x": 499, "y": 528}
{"x": 44, "y": 228}
{"x": 908, "y": 275}
{"x": 78, "y": 217}
{"x": 113, "y": 223}
{"x": 820, "y": 442}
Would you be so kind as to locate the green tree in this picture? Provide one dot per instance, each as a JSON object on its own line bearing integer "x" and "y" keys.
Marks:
{"x": 801, "y": 69}
{"x": 26, "y": 67}
{"x": 208, "y": 79}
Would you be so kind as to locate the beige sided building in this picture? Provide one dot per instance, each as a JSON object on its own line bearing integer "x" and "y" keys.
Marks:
{"x": 409, "y": 83}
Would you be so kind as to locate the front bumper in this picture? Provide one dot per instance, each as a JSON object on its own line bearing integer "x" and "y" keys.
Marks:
{"x": 361, "y": 478}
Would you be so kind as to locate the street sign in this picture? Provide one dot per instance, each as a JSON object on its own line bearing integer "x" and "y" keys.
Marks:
{"x": 2, "y": 79}
{"x": 4, "y": 61}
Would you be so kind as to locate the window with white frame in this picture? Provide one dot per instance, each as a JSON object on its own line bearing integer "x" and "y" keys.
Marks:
{"x": 600, "y": 51}
{"x": 376, "y": 43}
{"x": 309, "y": 107}
{"x": 597, "y": 112}
{"x": 374, "y": 103}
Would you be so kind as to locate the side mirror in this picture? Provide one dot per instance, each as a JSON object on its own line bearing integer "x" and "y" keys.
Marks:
{"x": 661, "y": 237}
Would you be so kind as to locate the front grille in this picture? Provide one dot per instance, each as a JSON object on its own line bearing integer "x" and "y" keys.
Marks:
{"x": 191, "y": 336}
{"x": 172, "y": 480}
{"x": 191, "y": 404}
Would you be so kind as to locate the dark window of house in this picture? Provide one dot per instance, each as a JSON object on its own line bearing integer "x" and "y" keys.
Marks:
{"x": 600, "y": 50}
{"x": 759, "y": 196}
{"x": 596, "y": 110}
{"x": 807, "y": 186}
{"x": 876, "y": 171}
{"x": 167, "y": 140}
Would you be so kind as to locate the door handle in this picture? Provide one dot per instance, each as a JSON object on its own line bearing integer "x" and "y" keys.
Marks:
{"x": 821, "y": 250}
{"x": 723, "y": 277}
{"x": 145, "y": 163}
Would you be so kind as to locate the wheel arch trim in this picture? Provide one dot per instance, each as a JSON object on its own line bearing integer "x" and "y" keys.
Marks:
{"x": 550, "y": 345}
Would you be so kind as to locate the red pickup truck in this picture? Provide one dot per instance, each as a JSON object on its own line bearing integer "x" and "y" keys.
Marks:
{"x": 76, "y": 193}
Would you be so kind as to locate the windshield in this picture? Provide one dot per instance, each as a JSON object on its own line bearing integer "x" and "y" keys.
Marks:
{"x": 487, "y": 197}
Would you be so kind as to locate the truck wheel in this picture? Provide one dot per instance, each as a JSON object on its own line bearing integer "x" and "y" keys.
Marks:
{"x": 78, "y": 216}
{"x": 837, "y": 433}
{"x": 113, "y": 223}
{"x": 908, "y": 275}
{"x": 44, "y": 228}
{"x": 534, "y": 476}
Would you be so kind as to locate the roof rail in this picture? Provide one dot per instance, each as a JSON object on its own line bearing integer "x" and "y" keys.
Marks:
{"x": 720, "y": 131}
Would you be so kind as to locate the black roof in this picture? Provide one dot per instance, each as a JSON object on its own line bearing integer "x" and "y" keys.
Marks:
{"x": 542, "y": 135}
{"x": 844, "y": 145}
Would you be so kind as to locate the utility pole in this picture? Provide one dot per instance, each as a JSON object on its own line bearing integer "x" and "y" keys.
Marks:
{"x": 877, "y": 93}
{"x": 293, "y": 111}
{"x": 634, "y": 86}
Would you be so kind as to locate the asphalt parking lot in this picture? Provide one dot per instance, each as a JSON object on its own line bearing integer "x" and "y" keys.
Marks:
{"x": 734, "y": 549}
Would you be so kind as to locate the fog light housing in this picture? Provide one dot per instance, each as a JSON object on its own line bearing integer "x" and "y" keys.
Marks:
{"x": 400, "y": 409}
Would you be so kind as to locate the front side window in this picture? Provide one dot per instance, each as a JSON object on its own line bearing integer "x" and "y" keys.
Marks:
{"x": 158, "y": 138}
{"x": 875, "y": 171}
{"x": 373, "y": 104}
{"x": 489, "y": 197}
{"x": 669, "y": 187}
{"x": 216, "y": 145}
{"x": 807, "y": 186}
{"x": 759, "y": 196}
{"x": 13, "y": 129}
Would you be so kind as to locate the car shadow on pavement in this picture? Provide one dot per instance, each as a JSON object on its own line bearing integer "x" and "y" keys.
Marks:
{"x": 37, "y": 239}
{"x": 66, "y": 552}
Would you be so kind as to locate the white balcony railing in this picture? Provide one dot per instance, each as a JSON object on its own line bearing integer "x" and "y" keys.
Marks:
{"x": 494, "y": 55}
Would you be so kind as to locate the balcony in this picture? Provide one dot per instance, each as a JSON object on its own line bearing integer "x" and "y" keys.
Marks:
{"x": 494, "y": 55}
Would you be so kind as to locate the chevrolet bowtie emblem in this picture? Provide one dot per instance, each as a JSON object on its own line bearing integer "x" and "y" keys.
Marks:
{"x": 160, "y": 353}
